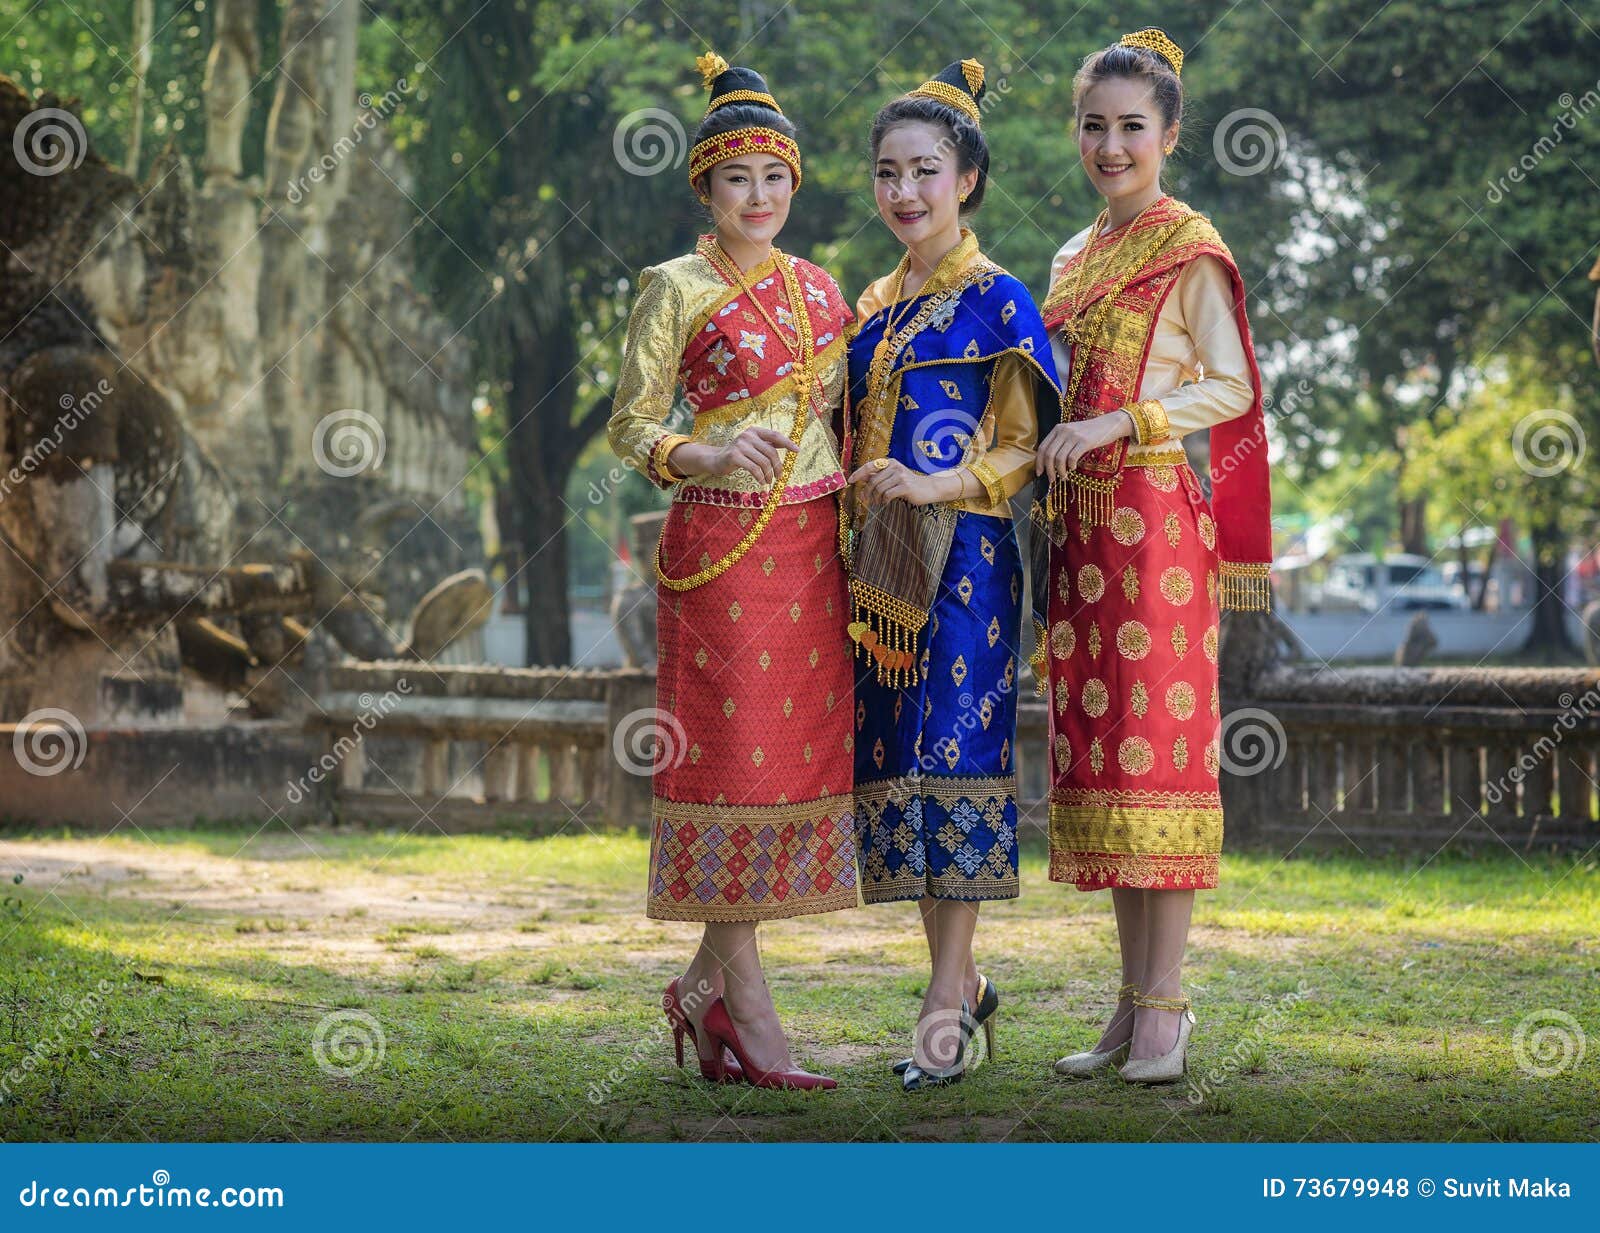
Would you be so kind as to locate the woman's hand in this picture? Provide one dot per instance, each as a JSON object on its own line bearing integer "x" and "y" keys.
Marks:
{"x": 876, "y": 485}
{"x": 1065, "y": 444}
{"x": 756, "y": 450}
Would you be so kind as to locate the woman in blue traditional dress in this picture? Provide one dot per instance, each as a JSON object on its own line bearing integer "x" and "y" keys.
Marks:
{"x": 950, "y": 378}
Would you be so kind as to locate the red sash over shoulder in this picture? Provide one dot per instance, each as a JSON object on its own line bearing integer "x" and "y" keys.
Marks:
{"x": 1115, "y": 316}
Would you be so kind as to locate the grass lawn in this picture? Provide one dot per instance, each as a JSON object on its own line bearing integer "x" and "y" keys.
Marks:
{"x": 337, "y": 984}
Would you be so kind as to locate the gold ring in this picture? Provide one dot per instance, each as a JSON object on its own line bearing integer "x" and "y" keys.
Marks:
{"x": 880, "y": 463}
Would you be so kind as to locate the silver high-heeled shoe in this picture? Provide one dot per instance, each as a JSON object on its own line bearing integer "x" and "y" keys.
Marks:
{"x": 1082, "y": 1065}
{"x": 1174, "y": 1063}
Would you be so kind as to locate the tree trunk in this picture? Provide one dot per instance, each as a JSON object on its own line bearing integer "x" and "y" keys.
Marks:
{"x": 1414, "y": 526}
{"x": 543, "y": 385}
{"x": 1547, "y": 639}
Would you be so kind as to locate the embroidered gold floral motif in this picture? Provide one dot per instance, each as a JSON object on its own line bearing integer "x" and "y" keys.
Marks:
{"x": 1211, "y": 585}
{"x": 700, "y": 658}
{"x": 952, "y": 391}
{"x": 1063, "y": 696}
{"x": 1062, "y": 639}
{"x": 952, "y": 752}
{"x": 735, "y": 611}
{"x": 1127, "y": 527}
{"x": 1094, "y": 640}
{"x": 986, "y": 711}
{"x": 1010, "y": 675}
{"x": 964, "y": 589}
{"x": 861, "y": 713}
{"x": 1005, "y": 753}
{"x": 1097, "y": 755}
{"x": 1180, "y": 641}
{"x": 994, "y": 630}
{"x": 1063, "y": 754}
{"x": 1096, "y": 697}
{"x": 1130, "y": 583}
{"x": 877, "y": 753}
{"x": 757, "y": 756}
{"x": 1133, "y": 640}
{"x": 1212, "y": 759}
{"x": 958, "y": 670}
{"x": 1180, "y": 753}
{"x": 1139, "y": 699}
{"x": 1180, "y": 700}
{"x": 1174, "y": 529}
{"x": 1064, "y": 584}
{"x": 1091, "y": 583}
{"x": 1162, "y": 478}
{"x": 1135, "y": 756}
{"x": 794, "y": 611}
{"x": 728, "y": 708}
{"x": 812, "y": 658}
{"x": 986, "y": 548}
{"x": 695, "y": 752}
{"x": 1208, "y": 643}
{"x": 806, "y": 752}
{"x": 1216, "y": 708}
{"x": 788, "y": 707}
{"x": 1176, "y": 585}
{"x": 765, "y": 661}
{"x": 1208, "y": 531}
{"x": 800, "y": 519}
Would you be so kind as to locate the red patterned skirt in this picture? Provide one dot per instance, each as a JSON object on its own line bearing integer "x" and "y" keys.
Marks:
{"x": 1134, "y": 711}
{"x": 752, "y": 817}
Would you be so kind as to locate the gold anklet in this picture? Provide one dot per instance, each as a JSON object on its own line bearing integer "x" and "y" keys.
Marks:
{"x": 1161, "y": 1003}
{"x": 1126, "y": 990}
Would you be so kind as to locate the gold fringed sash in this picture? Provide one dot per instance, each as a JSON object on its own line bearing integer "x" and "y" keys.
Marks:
{"x": 1244, "y": 586}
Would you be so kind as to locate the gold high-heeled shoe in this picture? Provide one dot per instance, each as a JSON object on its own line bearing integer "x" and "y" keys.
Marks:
{"x": 1082, "y": 1065}
{"x": 1174, "y": 1063}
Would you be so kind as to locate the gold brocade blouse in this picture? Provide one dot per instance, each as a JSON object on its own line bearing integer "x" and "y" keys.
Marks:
{"x": 1009, "y": 454}
{"x": 676, "y": 300}
{"x": 1197, "y": 369}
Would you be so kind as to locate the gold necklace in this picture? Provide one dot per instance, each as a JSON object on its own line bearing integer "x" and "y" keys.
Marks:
{"x": 801, "y": 376}
{"x": 1072, "y": 325}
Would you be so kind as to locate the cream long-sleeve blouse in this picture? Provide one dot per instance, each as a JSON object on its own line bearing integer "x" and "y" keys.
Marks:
{"x": 1197, "y": 368}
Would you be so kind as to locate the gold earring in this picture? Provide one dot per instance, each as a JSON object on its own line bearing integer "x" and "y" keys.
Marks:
{"x": 705, "y": 201}
{"x": 962, "y": 198}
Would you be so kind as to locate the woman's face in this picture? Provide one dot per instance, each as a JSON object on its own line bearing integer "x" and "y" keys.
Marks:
{"x": 1120, "y": 139}
{"x": 919, "y": 182}
{"x": 750, "y": 197}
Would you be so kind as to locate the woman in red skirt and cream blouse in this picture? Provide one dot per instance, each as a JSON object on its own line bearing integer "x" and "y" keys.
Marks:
{"x": 1147, "y": 317}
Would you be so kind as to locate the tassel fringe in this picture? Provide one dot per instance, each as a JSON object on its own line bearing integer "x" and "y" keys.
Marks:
{"x": 1245, "y": 586}
{"x": 886, "y": 629}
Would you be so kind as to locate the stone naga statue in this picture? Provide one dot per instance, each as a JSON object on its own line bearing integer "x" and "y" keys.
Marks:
{"x": 119, "y": 560}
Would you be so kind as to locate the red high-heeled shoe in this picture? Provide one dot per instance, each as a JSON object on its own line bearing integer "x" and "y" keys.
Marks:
{"x": 718, "y": 1024}
{"x": 672, "y": 1004}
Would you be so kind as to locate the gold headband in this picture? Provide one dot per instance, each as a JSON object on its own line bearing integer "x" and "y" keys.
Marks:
{"x": 951, "y": 96}
{"x": 744, "y": 96}
{"x": 1153, "y": 39}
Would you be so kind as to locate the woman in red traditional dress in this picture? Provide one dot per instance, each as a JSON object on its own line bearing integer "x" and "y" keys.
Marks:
{"x": 751, "y": 815}
{"x": 1147, "y": 317}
